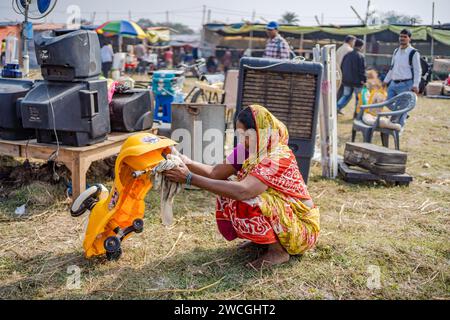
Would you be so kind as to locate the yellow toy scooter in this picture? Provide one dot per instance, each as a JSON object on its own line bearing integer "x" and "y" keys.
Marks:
{"x": 116, "y": 214}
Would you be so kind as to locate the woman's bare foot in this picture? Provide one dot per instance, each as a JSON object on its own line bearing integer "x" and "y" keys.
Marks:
{"x": 275, "y": 255}
{"x": 251, "y": 245}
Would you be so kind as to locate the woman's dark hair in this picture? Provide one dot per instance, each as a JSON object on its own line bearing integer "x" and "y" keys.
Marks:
{"x": 246, "y": 118}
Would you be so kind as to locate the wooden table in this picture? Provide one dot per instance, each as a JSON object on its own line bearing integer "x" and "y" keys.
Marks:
{"x": 76, "y": 159}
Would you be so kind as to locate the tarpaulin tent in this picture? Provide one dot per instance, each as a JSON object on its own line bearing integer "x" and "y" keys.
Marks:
{"x": 385, "y": 33}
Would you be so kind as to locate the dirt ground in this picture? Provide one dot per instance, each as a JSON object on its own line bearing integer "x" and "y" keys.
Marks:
{"x": 400, "y": 234}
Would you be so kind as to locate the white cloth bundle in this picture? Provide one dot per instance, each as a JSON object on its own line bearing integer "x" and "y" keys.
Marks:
{"x": 168, "y": 188}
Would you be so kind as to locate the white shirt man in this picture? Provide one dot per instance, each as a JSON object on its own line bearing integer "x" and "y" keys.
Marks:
{"x": 342, "y": 51}
{"x": 107, "y": 53}
{"x": 402, "y": 77}
{"x": 401, "y": 69}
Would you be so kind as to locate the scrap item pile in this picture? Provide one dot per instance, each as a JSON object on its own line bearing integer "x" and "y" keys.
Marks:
{"x": 365, "y": 162}
{"x": 439, "y": 88}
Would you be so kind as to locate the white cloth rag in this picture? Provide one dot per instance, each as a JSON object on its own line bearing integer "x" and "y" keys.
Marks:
{"x": 168, "y": 188}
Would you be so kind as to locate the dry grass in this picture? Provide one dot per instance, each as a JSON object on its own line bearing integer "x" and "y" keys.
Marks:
{"x": 402, "y": 230}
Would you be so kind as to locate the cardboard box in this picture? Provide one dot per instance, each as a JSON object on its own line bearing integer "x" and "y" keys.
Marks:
{"x": 434, "y": 88}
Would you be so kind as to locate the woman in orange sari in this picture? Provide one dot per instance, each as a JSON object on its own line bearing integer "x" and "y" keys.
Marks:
{"x": 268, "y": 204}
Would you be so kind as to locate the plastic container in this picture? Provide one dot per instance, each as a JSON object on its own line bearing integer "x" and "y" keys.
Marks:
{"x": 12, "y": 50}
{"x": 204, "y": 125}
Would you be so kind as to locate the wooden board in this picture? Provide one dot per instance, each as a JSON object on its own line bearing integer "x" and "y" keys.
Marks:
{"x": 355, "y": 174}
{"x": 76, "y": 159}
{"x": 377, "y": 159}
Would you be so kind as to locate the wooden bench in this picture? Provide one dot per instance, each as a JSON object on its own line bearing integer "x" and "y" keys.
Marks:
{"x": 76, "y": 159}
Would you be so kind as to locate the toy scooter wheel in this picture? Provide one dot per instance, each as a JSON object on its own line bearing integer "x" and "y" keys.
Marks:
{"x": 112, "y": 244}
{"x": 86, "y": 200}
{"x": 138, "y": 225}
{"x": 111, "y": 256}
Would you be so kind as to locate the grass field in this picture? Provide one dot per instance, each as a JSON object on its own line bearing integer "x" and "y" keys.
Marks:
{"x": 402, "y": 232}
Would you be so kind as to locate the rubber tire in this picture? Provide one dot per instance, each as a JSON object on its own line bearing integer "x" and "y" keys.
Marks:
{"x": 114, "y": 256}
{"x": 138, "y": 225}
{"x": 111, "y": 244}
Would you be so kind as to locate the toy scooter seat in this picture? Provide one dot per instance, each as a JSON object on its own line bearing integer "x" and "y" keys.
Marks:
{"x": 115, "y": 215}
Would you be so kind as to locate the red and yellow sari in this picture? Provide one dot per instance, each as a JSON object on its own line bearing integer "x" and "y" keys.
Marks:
{"x": 278, "y": 214}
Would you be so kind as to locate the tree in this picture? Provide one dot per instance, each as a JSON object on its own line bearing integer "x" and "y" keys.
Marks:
{"x": 289, "y": 18}
{"x": 145, "y": 23}
{"x": 393, "y": 17}
{"x": 178, "y": 27}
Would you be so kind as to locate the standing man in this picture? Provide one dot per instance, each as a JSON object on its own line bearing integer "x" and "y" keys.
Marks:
{"x": 354, "y": 75}
{"x": 168, "y": 58}
{"x": 227, "y": 60}
{"x": 406, "y": 70}
{"x": 107, "y": 54}
{"x": 140, "y": 51}
{"x": 347, "y": 47}
{"x": 277, "y": 47}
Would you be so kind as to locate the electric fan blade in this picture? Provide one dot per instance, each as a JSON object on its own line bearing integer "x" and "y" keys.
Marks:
{"x": 43, "y": 5}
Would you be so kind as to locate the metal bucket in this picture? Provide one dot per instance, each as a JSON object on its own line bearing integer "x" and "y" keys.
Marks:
{"x": 200, "y": 131}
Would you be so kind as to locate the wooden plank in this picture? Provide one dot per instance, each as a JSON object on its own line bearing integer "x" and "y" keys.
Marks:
{"x": 76, "y": 159}
{"x": 356, "y": 174}
{"x": 9, "y": 150}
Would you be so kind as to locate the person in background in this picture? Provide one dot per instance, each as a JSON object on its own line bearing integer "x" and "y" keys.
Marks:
{"x": 354, "y": 75}
{"x": 277, "y": 47}
{"x": 227, "y": 60}
{"x": 3, "y": 53}
{"x": 211, "y": 64}
{"x": 107, "y": 55}
{"x": 404, "y": 76}
{"x": 139, "y": 51}
{"x": 168, "y": 58}
{"x": 347, "y": 47}
{"x": 182, "y": 55}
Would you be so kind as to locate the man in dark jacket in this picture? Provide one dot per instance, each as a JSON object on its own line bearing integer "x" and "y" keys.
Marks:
{"x": 353, "y": 75}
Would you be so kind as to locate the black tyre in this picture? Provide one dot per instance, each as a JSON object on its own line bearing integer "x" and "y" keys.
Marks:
{"x": 112, "y": 244}
{"x": 112, "y": 256}
{"x": 138, "y": 225}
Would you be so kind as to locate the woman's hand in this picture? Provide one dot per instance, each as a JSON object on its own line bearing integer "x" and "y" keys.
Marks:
{"x": 177, "y": 174}
{"x": 183, "y": 158}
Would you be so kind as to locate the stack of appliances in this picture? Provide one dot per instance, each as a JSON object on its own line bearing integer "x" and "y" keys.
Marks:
{"x": 70, "y": 106}
{"x": 166, "y": 86}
